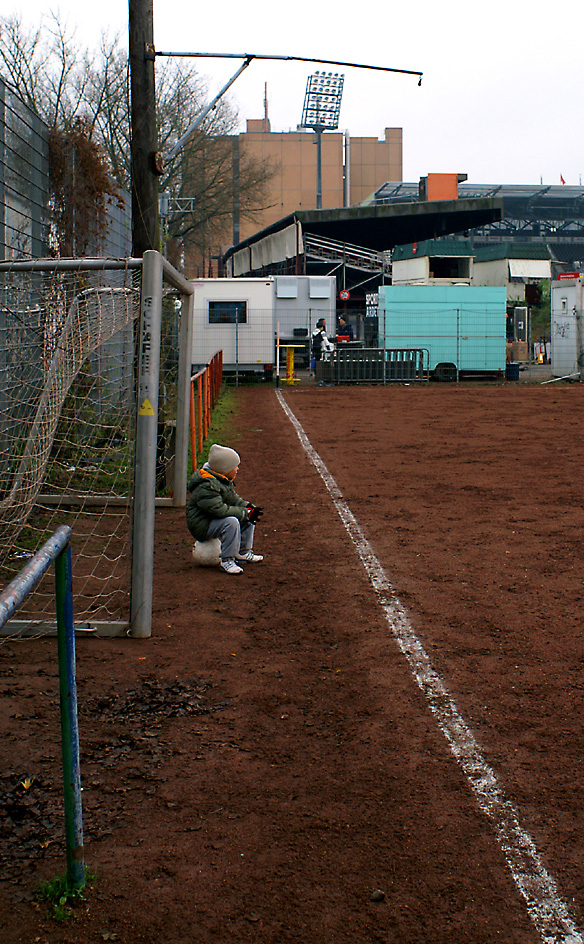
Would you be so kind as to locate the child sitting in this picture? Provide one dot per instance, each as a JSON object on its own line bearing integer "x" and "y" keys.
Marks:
{"x": 215, "y": 510}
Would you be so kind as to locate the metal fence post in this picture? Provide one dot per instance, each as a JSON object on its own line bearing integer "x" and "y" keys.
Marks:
{"x": 69, "y": 723}
{"x": 184, "y": 388}
{"x": 145, "y": 456}
{"x": 58, "y": 549}
{"x": 457, "y": 345}
{"x": 200, "y": 414}
{"x": 206, "y": 417}
{"x": 237, "y": 347}
{"x": 193, "y": 430}
{"x": 384, "y": 340}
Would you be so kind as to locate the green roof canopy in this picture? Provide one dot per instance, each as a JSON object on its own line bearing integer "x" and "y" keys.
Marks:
{"x": 509, "y": 250}
{"x": 434, "y": 247}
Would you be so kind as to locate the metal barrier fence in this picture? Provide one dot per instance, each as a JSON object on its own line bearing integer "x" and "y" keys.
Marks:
{"x": 58, "y": 549}
{"x": 373, "y": 365}
{"x": 208, "y": 382}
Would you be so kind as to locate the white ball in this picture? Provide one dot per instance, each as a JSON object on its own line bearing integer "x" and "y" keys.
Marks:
{"x": 207, "y": 553}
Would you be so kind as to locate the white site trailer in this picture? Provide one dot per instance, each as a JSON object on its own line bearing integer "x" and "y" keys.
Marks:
{"x": 300, "y": 300}
{"x": 567, "y": 329}
{"x": 242, "y": 316}
{"x": 235, "y": 316}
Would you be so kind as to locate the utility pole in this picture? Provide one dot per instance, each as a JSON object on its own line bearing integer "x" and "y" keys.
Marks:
{"x": 146, "y": 167}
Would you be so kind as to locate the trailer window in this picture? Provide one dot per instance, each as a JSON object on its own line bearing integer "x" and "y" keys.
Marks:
{"x": 227, "y": 312}
{"x": 449, "y": 267}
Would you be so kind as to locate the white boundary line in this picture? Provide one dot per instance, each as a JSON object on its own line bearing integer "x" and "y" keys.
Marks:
{"x": 548, "y": 912}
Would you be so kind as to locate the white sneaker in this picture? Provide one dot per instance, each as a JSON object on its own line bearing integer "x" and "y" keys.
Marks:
{"x": 249, "y": 556}
{"x": 230, "y": 567}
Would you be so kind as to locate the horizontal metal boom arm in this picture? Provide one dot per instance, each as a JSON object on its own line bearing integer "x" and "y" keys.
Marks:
{"x": 249, "y": 56}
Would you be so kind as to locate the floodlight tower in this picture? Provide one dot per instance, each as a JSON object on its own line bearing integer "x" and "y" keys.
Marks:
{"x": 322, "y": 106}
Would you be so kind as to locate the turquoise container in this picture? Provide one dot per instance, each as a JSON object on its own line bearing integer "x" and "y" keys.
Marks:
{"x": 459, "y": 325}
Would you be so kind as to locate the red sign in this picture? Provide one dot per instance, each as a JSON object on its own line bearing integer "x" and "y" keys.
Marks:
{"x": 344, "y": 294}
{"x": 569, "y": 275}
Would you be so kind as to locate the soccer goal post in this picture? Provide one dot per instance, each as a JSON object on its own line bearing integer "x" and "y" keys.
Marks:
{"x": 155, "y": 271}
{"x": 94, "y": 403}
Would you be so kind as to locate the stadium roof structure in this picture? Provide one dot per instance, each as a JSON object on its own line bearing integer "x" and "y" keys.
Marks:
{"x": 526, "y": 195}
{"x": 553, "y": 215}
{"x": 376, "y": 228}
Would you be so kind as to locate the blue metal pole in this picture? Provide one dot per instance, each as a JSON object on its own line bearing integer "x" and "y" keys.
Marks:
{"x": 69, "y": 720}
{"x": 18, "y": 589}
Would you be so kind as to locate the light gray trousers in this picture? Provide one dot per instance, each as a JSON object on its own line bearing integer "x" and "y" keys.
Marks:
{"x": 235, "y": 538}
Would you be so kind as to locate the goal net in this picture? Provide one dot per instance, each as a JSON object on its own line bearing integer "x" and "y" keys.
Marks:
{"x": 68, "y": 382}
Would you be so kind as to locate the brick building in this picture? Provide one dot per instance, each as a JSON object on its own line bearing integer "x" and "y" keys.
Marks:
{"x": 352, "y": 170}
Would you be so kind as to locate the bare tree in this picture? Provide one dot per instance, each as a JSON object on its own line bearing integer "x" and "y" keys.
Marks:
{"x": 51, "y": 74}
{"x": 203, "y": 171}
{"x": 68, "y": 86}
{"x": 212, "y": 170}
{"x": 46, "y": 68}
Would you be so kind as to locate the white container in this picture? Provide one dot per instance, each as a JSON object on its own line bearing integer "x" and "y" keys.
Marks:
{"x": 567, "y": 330}
{"x": 235, "y": 316}
{"x": 241, "y": 317}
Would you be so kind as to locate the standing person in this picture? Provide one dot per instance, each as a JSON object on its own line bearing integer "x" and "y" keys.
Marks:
{"x": 320, "y": 343}
{"x": 345, "y": 330}
{"x": 215, "y": 510}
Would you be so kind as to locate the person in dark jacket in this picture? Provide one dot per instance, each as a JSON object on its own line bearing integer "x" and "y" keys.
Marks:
{"x": 345, "y": 330}
{"x": 215, "y": 510}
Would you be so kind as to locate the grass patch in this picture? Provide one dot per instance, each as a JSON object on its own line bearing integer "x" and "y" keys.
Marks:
{"x": 61, "y": 898}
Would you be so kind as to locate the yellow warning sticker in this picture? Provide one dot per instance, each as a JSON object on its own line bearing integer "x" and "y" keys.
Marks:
{"x": 146, "y": 409}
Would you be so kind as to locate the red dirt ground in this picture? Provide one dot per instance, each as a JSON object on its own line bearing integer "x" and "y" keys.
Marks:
{"x": 265, "y": 763}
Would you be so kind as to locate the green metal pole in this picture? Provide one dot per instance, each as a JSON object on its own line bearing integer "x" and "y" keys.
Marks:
{"x": 69, "y": 721}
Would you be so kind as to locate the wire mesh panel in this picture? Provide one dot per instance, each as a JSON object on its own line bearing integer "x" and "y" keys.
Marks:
{"x": 244, "y": 331}
{"x": 243, "y": 317}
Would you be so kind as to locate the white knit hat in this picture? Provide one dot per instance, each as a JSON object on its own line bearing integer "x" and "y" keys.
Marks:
{"x": 222, "y": 459}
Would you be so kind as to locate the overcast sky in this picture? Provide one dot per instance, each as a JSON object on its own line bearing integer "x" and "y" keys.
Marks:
{"x": 500, "y": 100}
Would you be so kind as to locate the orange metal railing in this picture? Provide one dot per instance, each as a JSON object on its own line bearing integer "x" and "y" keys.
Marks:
{"x": 208, "y": 382}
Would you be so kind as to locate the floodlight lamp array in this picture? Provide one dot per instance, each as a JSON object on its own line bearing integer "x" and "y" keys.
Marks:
{"x": 322, "y": 100}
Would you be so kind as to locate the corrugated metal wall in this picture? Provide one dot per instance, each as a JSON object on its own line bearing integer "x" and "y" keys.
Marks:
{"x": 117, "y": 242}
{"x": 24, "y": 179}
{"x": 24, "y": 188}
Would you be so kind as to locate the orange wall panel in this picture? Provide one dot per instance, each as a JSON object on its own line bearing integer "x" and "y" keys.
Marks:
{"x": 442, "y": 186}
